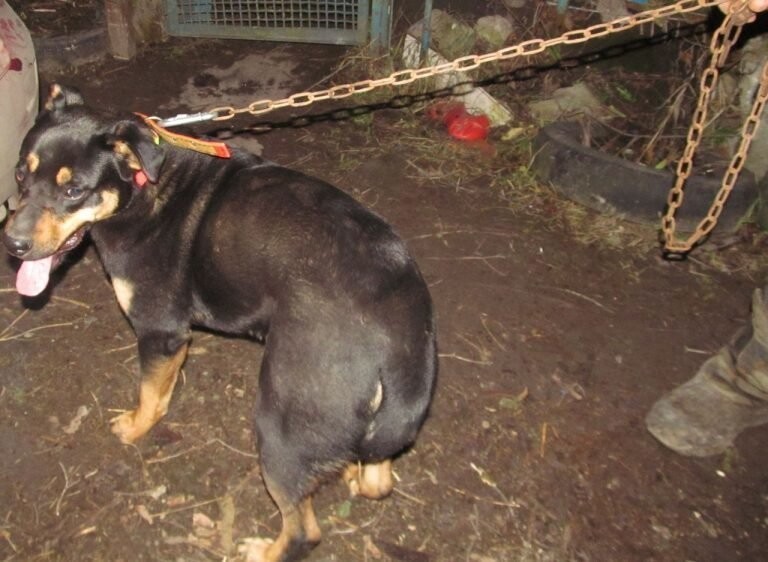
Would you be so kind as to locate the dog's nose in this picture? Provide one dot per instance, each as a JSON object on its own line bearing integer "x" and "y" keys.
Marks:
{"x": 17, "y": 246}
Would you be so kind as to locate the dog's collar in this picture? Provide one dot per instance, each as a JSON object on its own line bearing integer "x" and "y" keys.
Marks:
{"x": 212, "y": 148}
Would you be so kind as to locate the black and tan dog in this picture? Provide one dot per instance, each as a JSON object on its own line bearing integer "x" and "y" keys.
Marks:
{"x": 241, "y": 246}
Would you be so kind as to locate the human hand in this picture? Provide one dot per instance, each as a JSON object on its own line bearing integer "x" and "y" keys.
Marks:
{"x": 746, "y": 16}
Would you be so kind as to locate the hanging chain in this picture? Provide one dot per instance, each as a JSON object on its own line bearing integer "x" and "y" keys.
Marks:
{"x": 722, "y": 41}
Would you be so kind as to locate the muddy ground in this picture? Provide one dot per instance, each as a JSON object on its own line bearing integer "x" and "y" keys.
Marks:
{"x": 552, "y": 351}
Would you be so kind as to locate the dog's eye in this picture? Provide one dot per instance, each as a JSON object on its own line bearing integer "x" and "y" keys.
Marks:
{"x": 74, "y": 192}
{"x": 20, "y": 175}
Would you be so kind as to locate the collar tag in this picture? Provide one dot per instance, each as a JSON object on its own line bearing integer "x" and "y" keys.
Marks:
{"x": 140, "y": 179}
{"x": 211, "y": 148}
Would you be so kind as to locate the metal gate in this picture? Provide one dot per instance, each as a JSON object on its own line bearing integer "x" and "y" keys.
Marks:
{"x": 342, "y": 22}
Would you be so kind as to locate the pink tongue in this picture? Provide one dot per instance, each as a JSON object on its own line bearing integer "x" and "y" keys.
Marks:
{"x": 32, "y": 278}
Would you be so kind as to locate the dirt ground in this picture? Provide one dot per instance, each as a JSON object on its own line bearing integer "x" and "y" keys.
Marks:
{"x": 552, "y": 350}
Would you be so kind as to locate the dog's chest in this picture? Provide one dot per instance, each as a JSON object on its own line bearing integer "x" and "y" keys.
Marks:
{"x": 124, "y": 291}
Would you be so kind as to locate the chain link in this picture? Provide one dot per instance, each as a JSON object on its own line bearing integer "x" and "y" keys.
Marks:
{"x": 720, "y": 45}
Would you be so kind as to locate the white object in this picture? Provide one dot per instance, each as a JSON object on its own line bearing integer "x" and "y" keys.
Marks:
{"x": 18, "y": 95}
{"x": 476, "y": 100}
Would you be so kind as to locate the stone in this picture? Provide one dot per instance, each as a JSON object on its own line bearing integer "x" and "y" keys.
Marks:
{"x": 494, "y": 30}
{"x": 610, "y": 10}
{"x": 450, "y": 37}
{"x": 568, "y": 102}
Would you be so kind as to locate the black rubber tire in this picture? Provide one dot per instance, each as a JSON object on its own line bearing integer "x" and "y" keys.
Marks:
{"x": 613, "y": 185}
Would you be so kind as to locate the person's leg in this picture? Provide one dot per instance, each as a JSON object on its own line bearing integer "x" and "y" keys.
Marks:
{"x": 729, "y": 394}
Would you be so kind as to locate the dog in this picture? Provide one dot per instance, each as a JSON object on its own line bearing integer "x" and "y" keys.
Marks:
{"x": 245, "y": 247}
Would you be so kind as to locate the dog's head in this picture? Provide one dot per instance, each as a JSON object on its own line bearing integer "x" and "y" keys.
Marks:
{"x": 75, "y": 169}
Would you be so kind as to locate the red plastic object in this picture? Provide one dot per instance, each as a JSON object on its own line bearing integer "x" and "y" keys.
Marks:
{"x": 15, "y": 65}
{"x": 469, "y": 127}
{"x": 461, "y": 124}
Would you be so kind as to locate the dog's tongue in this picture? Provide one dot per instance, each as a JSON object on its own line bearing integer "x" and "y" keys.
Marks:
{"x": 32, "y": 278}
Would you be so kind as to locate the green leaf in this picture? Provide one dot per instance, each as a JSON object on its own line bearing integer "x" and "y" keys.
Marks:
{"x": 344, "y": 509}
{"x": 624, "y": 94}
{"x": 509, "y": 403}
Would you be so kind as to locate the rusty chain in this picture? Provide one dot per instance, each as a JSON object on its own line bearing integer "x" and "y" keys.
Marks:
{"x": 722, "y": 41}
{"x": 720, "y": 46}
{"x": 466, "y": 63}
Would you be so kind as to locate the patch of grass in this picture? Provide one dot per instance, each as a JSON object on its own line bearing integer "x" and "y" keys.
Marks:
{"x": 16, "y": 394}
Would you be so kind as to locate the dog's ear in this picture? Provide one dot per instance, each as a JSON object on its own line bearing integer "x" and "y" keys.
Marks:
{"x": 60, "y": 97}
{"x": 137, "y": 149}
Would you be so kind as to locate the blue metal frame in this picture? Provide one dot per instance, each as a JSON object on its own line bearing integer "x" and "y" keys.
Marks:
{"x": 381, "y": 24}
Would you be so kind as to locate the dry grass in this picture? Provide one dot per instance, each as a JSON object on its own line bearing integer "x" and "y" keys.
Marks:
{"x": 500, "y": 166}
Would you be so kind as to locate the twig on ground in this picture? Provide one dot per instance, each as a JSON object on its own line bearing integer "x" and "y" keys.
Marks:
{"x": 67, "y": 486}
{"x": 507, "y": 504}
{"x": 459, "y": 231}
{"x": 162, "y": 514}
{"x": 484, "y": 322}
{"x": 121, "y": 348}
{"x": 408, "y": 496}
{"x": 12, "y": 324}
{"x": 586, "y": 298}
{"x": 226, "y": 523}
{"x": 461, "y": 358}
{"x": 467, "y": 258}
{"x": 33, "y": 330}
{"x": 233, "y": 449}
{"x": 71, "y": 301}
{"x": 178, "y": 455}
{"x": 202, "y": 446}
{"x": 699, "y": 351}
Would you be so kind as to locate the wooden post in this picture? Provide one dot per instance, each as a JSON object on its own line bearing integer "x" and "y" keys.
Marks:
{"x": 130, "y": 23}
{"x": 122, "y": 43}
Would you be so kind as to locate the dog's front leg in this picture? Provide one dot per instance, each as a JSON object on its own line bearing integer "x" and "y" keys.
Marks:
{"x": 161, "y": 357}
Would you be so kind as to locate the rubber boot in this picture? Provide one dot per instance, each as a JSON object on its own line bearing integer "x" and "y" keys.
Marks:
{"x": 729, "y": 394}
{"x": 751, "y": 352}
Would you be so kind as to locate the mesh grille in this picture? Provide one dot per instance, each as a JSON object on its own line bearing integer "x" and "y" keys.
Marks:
{"x": 289, "y": 14}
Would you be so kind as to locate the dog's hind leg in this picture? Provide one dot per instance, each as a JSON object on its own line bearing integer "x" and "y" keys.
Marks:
{"x": 158, "y": 378}
{"x": 300, "y": 532}
{"x": 372, "y": 481}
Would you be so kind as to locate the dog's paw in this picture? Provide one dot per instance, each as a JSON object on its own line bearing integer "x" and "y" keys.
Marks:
{"x": 372, "y": 481}
{"x": 255, "y": 549}
{"x": 127, "y": 429}
{"x": 351, "y": 477}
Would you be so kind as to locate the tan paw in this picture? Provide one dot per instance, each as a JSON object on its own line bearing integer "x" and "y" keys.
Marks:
{"x": 372, "y": 481}
{"x": 255, "y": 549}
{"x": 126, "y": 427}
